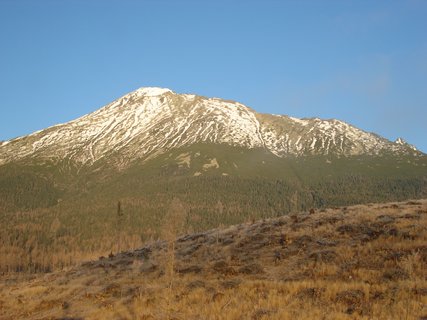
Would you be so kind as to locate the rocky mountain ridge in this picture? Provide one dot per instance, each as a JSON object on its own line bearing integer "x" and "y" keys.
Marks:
{"x": 150, "y": 121}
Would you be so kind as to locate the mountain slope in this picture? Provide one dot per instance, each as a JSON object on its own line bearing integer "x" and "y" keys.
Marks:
{"x": 359, "y": 262}
{"x": 151, "y": 121}
{"x": 75, "y": 189}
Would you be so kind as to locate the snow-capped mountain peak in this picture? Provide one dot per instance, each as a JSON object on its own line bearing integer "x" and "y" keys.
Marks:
{"x": 152, "y": 91}
{"x": 150, "y": 121}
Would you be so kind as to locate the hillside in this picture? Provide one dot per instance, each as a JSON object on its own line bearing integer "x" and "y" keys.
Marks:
{"x": 359, "y": 262}
{"x": 69, "y": 192}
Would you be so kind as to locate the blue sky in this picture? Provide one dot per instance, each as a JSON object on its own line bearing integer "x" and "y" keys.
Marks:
{"x": 364, "y": 62}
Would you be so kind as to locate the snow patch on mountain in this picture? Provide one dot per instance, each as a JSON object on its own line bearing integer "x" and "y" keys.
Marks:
{"x": 300, "y": 121}
{"x": 152, "y": 91}
{"x": 184, "y": 159}
{"x": 213, "y": 163}
{"x": 402, "y": 142}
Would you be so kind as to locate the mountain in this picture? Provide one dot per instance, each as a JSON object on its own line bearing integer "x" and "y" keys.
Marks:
{"x": 110, "y": 179}
{"x": 151, "y": 121}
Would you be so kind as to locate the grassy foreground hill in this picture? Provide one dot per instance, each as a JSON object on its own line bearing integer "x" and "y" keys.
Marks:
{"x": 356, "y": 262}
{"x": 54, "y": 214}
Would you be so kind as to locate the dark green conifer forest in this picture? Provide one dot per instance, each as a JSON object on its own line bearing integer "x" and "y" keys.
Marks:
{"x": 55, "y": 214}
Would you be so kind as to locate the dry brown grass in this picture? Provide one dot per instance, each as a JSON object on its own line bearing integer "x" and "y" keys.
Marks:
{"x": 360, "y": 262}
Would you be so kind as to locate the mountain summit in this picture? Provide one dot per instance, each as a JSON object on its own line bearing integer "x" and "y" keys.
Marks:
{"x": 150, "y": 121}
